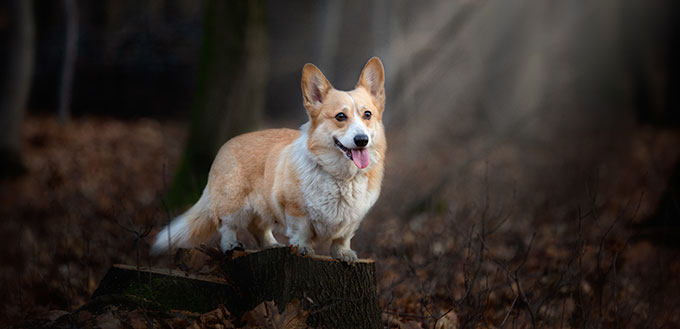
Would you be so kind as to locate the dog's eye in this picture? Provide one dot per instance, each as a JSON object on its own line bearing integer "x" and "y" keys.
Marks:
{"x": 341, "y": 117}
{"x": 367, "y": 115}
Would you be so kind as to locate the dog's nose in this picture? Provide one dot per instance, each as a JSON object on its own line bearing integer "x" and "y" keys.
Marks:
{"x": 361, "y": 140}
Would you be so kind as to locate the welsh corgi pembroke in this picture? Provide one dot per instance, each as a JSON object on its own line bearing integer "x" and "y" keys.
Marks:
{"x": 318, "y": 181}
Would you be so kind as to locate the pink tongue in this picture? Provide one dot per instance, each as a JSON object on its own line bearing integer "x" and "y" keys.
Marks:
{"x": 360, "y": 158}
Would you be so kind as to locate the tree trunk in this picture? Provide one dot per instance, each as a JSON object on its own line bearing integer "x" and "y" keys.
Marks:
{"x": 15, "y": 80}
{"x": 70, "y": 54}
{"x": 230, "y": 94}
{"x": 328, "y": 293}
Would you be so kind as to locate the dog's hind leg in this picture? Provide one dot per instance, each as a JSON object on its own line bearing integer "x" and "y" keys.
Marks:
{"x": 228, "y": 228}
{"x": 262, "y": 234}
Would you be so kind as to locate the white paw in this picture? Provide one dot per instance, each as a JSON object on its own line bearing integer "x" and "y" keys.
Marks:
{"x": 231, "y": 245}
{"x": 348, "y": 256}
{"x": 304, "y": 250}
{"x": 273, "y": 245}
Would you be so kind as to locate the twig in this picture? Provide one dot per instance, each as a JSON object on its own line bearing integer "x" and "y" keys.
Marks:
{"x": 509, "y": 311}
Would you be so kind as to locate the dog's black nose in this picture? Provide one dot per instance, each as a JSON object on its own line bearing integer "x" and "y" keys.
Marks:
{"x": 361, "y": 140}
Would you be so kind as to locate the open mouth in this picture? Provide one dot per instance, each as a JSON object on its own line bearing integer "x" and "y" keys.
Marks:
{"x": 359, "y": 155}
{"x": 347, "y": 151}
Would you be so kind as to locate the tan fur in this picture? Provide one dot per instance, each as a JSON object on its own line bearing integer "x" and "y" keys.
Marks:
{"x": 245, "y": 165}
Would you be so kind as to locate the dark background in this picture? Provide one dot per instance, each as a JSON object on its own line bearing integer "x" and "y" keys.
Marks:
{"x": 532, "y": 144}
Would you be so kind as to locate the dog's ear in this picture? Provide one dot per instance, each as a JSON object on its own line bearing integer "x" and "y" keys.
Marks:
{"x": 315, "y": 87}
{"x": 373, "y": 79}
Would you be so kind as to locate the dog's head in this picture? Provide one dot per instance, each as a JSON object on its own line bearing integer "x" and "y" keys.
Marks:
{"x": 346, "y": 125}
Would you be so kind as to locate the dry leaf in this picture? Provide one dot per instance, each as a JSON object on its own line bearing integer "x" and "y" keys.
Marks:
{"x": 108, "y": 321}
{"x": 410, "y": 325}
{"x": 267, "y": 315}
{"x": 448, "y": 321}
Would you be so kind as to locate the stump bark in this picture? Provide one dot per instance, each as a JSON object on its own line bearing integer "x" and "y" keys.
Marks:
{"x": 329, "y": 293}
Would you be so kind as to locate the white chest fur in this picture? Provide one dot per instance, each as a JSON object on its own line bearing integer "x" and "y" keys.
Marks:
{"x": 335, "y": 206}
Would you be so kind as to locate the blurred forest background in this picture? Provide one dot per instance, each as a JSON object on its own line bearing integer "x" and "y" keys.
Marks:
{"x": 533, "y": 161}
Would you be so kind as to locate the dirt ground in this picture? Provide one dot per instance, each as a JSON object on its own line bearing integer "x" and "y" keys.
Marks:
{"x": 463, "y": 257}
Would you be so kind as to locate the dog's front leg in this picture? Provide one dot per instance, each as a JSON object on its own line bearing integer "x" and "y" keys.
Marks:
{"x": 341, "y": 251}
{"x": 300, "y": 234}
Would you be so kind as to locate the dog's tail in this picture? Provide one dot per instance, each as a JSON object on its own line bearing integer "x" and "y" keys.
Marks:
{"x": 188, "y": 229}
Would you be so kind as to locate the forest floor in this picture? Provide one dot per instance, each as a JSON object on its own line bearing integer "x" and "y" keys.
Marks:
{"x": 92, "y": 197}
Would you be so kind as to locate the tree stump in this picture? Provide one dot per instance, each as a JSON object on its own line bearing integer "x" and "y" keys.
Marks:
{"x": 328, "y": 293}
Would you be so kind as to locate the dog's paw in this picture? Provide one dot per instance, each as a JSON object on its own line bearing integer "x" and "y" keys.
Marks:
{"x": 231, "y": 246}
{"x": 273, "y": 245}
{"x": 304, "y": 250}
{"x": 348, "y": 256}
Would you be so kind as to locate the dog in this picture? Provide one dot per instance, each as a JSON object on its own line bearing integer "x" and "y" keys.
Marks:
{"x": 318, "y": 182}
